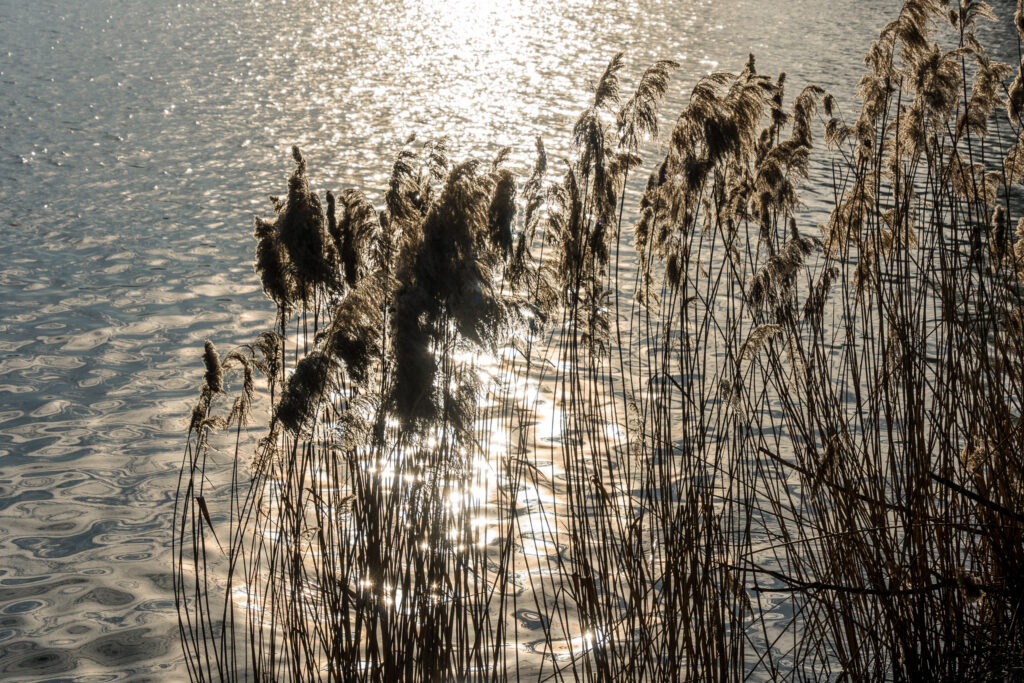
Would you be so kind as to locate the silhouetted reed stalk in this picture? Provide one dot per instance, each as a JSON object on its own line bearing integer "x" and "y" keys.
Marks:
{"x": 498, "y": 448}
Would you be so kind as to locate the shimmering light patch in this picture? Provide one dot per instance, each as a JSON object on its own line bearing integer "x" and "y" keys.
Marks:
{"x": 245, "y": 598}
{"x": 565, "y": 650}
{"x": 614, "y": 431}
{"x": 551, "y": 424}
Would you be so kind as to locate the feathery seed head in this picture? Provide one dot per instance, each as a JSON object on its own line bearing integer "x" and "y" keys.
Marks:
{"x": 214, "y": 378}
{"x": 270, "y": 263}
{"x": 502, "y": 211}
{"x": 301, "y": 233}
{"x": 1015, "y": 97}
{"x": 607, "y": 90}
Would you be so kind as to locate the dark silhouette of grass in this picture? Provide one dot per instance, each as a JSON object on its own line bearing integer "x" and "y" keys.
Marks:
{"x": 765, "y": 450}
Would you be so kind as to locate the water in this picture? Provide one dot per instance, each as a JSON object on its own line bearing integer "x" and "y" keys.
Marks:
{"x": 136, "y": 140}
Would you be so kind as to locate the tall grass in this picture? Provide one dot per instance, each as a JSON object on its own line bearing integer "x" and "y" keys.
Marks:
{"x": 499, "y": 444}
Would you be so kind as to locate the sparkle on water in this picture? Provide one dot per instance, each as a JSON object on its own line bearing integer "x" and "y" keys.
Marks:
{"x": 137, "y": 139}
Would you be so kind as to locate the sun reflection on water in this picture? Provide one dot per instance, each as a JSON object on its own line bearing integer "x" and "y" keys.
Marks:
{"x": 503, "y": 470}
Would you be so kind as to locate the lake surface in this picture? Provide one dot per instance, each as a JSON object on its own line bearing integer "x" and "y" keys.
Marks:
{"x": 137, "y": 138}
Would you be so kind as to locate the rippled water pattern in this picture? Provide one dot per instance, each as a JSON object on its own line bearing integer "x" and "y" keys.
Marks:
{"x": 137, "y": 138}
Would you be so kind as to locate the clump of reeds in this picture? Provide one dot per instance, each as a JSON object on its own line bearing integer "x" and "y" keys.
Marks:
{"x": 779, "y": 453}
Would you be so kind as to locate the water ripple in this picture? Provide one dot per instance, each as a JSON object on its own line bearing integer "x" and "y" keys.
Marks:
{"x": 138, "y": 139}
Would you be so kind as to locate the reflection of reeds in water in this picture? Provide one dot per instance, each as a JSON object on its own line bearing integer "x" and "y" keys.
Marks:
{"x": 783, "y": 455}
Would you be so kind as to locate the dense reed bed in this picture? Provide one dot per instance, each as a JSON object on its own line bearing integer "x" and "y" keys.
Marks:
{"x": 517, "y": 429}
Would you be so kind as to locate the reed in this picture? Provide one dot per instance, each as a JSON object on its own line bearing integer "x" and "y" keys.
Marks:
{"x": 497, "y": 446}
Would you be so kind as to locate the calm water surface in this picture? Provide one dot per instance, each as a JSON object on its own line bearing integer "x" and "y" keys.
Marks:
{"x": 138, "y": 137}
